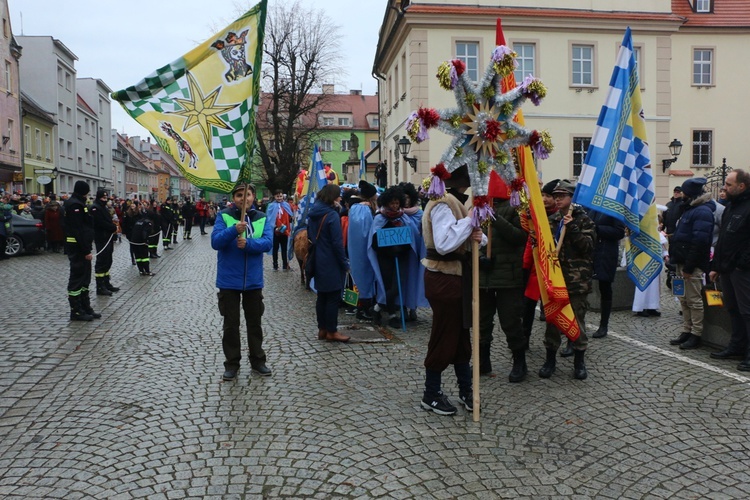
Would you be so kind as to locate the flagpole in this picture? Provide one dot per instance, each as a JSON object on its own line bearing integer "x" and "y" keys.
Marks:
{"x": 475, "y": 325}
{"x": 244, "y": 201}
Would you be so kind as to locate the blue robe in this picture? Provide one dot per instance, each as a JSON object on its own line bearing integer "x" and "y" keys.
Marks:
{"x": 272, "y": 211}
{"x": 412, "y": 288}
{"x": 360, "y": 225}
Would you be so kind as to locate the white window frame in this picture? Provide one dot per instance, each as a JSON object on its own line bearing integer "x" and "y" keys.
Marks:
{"x": 47, "y": 146}
{"x": 701, "y": 146}
{"x": 27, "y": 140}
{"x": 344, "y": 121}
{"x": 328, "y": 121}
{"x": 472, "y": 61}
{"x": 346, "y": 144}
{"x": 579, "y": 153}
{"x": 326, "y": 145}
{"x": 8, "y": 80}
{"x": 702, "y": 6}
{"x": 374, "y": 144}
{"x": 527, "y": 63}
{"x": 578, "y": 61}
{"x": 705, "y": 66}
{"x": 38, "y": 142}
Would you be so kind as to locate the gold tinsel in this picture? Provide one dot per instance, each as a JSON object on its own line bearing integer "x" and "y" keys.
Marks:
{"x": 426, "y": 183}
{"x": 482, "y": 167}
{"x": 538, "y": 88}
{"x": 470, "y": 98}
{"x": 502, "y": 157}
{"x": 455, "y": 121}
{"x": 488, "y": 93}
{"x": 507, "y": 108}
{"x": 546, "y": 140}
{"x": 459, "y": 151}
{"x": 413, "y": 131}
{"x": 511, "y": 133}
{"x": 506, "y": 66}
{"x": 444, "y": 75}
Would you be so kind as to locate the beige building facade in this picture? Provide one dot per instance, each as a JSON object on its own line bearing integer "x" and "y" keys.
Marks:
{"x": 687, "y": 51}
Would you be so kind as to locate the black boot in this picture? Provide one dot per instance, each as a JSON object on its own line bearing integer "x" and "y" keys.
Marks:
{"x": 101, "y": 288}
{"x": 110, "y": 286}
{"x": 568, "y": 351}
{"x": 679, "y": 340}
{"x": 76, "y": 312}
{"x": 744, "y": 366}
{"x": 548, "y": 368}
{"x": 579, "y": 367}
{"x": 485, "y": 365}
{"x": 465, "y": 389}
{"x": 604, "y": 322}
{"x": 519, "y": 370}
{"x": 86, "y": 305}
{"x": 693, "y": 342}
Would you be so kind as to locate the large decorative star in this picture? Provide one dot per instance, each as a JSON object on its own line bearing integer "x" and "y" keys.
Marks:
{"x": 201, "y": 111}
{"x": 483, "y": 125}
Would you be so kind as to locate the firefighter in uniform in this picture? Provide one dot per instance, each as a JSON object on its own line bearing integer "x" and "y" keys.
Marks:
{"x": 188, "y": 213}
{"x": 79, "y": 239}
{"x": 105, "y": 231}
{"x": 153, "y": 238}
{"x": 167, "y": 215}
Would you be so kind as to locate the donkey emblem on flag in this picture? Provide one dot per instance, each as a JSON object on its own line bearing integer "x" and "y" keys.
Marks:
{"x": 233, "y": 51}
{"x": 183, "y": 148}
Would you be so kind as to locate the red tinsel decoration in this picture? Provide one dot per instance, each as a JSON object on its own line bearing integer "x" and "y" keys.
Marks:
{"x": 429, "y": 117}
{"x": 440, "y": 171}
{"x": 534, "y": 138}
{"x": 492, "y": 130}
{"x": 459, "y": 65}
{"x": 517, "y": 184}
{"x": 481, "y": 201}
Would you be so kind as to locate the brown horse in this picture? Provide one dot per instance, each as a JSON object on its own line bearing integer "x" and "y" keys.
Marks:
{"x": 301, "y": 245}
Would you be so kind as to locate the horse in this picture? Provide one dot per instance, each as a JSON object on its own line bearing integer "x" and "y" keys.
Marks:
{"x": 301, "y": 245}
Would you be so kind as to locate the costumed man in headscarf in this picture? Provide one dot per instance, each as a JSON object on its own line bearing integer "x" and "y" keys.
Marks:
{"x": 79, "y": 240}
{"x": 448, "y": 232}
{"x": 383, "y": 260}
{"x": 360, "y": 225}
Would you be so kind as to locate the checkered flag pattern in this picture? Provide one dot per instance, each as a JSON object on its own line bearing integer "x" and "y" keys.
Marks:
{"x": 229, "y": 146}
{"x": 616, "y": 178}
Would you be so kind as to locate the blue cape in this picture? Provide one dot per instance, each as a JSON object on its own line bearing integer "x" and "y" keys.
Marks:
{"x": 413, "y": 288}
{"x": 360, "y": 225}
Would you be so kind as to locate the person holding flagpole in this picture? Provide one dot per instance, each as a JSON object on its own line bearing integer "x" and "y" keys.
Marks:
{"x": 241, "y": 235}
{"x": 448, "y": 231}
{"x": 574, "y": 233}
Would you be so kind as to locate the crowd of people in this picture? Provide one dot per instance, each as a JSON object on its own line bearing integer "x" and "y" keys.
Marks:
{"x": 407, "y": 248}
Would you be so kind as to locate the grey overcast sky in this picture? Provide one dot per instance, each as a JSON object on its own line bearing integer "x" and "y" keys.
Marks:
{"x": 122, "y": 42}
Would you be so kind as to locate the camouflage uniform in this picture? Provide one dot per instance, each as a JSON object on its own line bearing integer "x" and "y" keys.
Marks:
{"x": 577, "y": 263}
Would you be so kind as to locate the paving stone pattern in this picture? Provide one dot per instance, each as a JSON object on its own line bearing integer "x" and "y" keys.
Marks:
{"x": 133, "y": 406}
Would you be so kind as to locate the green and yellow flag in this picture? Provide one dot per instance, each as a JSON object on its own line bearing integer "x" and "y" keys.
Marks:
{"x": 201, "y": 107}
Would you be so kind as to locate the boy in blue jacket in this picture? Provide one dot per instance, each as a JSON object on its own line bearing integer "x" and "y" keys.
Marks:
{"x": 241, "y": 240}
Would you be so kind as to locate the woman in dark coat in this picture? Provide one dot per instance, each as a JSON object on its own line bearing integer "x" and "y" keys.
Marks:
{"x": 53, "y": 227}
{"x": 330, "y": 261}
{"x": 609, "y": 232}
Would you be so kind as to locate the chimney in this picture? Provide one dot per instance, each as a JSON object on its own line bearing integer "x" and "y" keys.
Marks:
{"x": 328, "y": 88}
{"x": 355, "y": 92}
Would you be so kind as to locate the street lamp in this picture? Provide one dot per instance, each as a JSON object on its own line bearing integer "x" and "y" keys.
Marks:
{"x": 404, "y": 145}
{"x": 675, "y": 148}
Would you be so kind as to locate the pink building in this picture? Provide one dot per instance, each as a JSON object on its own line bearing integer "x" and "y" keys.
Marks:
{"x": 11, "y": 174}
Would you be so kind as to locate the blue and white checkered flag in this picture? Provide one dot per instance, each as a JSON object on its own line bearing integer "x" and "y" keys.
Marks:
{"x": 317, "y": 175}
{"x": 616, "y": 178}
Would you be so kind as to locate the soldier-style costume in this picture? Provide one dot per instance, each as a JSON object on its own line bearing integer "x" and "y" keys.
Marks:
{"x": 104, "y": 236}
{"x": 577, "y": 263}
{"x": 79, "y": 239}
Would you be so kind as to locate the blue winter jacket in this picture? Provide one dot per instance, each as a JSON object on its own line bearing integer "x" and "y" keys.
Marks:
{"x": 331, "y": 263}
{"x": 241, "y": 269}
{"x": 691, "y": 242}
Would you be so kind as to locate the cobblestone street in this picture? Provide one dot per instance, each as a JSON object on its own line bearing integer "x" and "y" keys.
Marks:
{"x": 133, "y": 406}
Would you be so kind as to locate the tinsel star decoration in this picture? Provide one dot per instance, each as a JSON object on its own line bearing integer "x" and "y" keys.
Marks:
{"x": 483, "y": 127}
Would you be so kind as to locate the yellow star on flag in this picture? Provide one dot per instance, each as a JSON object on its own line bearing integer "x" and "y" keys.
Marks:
{"x": 202, "y": 111}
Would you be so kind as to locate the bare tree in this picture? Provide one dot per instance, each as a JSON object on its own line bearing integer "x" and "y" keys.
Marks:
{"x": 300, "y": 55}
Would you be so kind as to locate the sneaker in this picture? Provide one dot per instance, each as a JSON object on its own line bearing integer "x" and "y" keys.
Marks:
{"x": 262, "y": 370}
{"x": 364, "y": 315}
{"x": 439, "y": 404}
{"x": 467, "y": 400}
{"x": 230, "y": 375}
{"x": 350, "y": 311}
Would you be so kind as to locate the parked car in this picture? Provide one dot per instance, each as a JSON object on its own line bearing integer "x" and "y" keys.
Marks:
{"x": 28, "y": 234}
